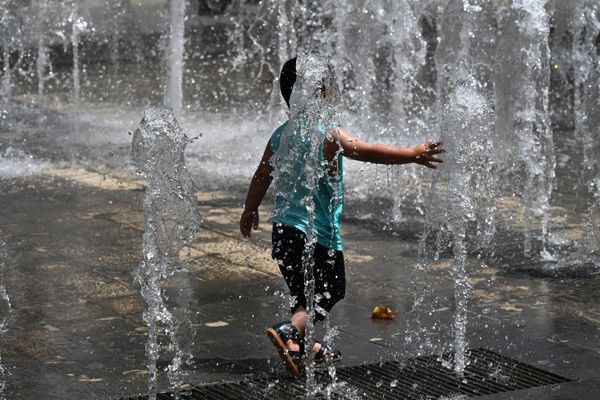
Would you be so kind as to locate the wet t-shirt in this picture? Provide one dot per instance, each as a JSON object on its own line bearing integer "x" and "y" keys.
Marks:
{"x": 290, "y": 201}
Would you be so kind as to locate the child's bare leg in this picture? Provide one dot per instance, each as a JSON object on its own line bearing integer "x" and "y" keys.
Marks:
{"x": 299, "y": 319}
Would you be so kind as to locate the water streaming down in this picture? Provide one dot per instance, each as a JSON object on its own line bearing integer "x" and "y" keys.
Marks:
{"x": 381, "y": 53}
{"x": 171, "y": 220}
{"x": 78, "y": 25}
{"x": 117, "y": 24}
{"x": 42, "y": 62}
{"x": 522, "y": 83}
{"x": 272, "y": 46}
{"x": 461, "y": 197}
{"x": 174, "y": 59}
{"x": 300, "y": 154}
{"x": 12, "y": 55}
{"x": 6, "y": 27}
{"x": 5, "y": 310}
{"x": 587, "y": 122}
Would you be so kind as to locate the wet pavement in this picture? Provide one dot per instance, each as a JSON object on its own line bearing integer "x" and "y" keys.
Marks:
{"x": 76, "y": 330}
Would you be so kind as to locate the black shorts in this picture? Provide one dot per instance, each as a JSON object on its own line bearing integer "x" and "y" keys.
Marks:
{"x": 329, "y": 273}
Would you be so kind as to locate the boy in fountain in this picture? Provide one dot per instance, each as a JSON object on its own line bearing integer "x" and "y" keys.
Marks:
{"x": 291, "y": 226}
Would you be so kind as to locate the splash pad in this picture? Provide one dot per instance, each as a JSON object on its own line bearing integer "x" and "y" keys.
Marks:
{"x": 511, "y": 87}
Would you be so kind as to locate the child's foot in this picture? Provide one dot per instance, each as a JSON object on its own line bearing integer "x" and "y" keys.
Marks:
{"x": 282, "y": 335}
{"x": 290, "y": 346}
{"x": 321, "y": 351}
{"x": 324, "y": 353}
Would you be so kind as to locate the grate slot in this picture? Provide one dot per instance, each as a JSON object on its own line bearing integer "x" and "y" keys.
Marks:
{"x": 222, "y": 392}
{"x": 487, "y": 368}
{"x": 210, "y": 393}
{"x": 484, "y": 380}
{"x": 235, "y": 391}
{"x": 287, "y": 388}
{"x": 520, "y": 375}
{"x": 406, "y": 389}
{"x": 540, "y": 376}
{"x": 424, "y": 378}
{"x": 387, "y": 377}
{"x": 396, "y": 373}
{"x": 418, "y": 385}
{"x": 230, "y": 391}
{"x": 415, "y": 384}
{"x": 364, "y": 381}
{"x": 436, "y": 371}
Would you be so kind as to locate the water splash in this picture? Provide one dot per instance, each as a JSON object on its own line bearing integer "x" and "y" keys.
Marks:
{"x": 174, "y": 58}
{"x": 587, "y": 115}
{"x": 464, "y": 187}
{"x": 42, "y": 63}
{"x": 171, "y": 220}
{"x": 522, "y": 84}
{"x": 78, "y": 26}
{"x": 10, "y": 32}
{"x": 299, "y": 154}
{"x": 117, "y": 15}
{"x": 5, "y": 311}
{"x": 16, "y": 163}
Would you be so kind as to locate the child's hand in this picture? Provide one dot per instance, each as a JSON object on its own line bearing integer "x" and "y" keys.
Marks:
{"x": 425, "y": 153}
{"x": 249, "y": 219}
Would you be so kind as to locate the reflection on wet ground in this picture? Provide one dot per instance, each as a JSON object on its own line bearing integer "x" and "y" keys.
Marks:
{"x": 74, "y": 237}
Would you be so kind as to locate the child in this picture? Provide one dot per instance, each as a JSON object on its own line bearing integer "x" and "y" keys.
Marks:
{"x": 291, "y": 222}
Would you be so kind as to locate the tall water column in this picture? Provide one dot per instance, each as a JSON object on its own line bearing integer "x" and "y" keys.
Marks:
{"x": 460, "y": 200}
{"x": 298, "y": 168}
{"x": 171, "y": 220}
{"x": 522, "y": 78}
{"x": 42, "y": 62}
{"x": 78, "y": 25}
{"x": 586, "y": 73}
{"x": 5, "y": 310}
{"x": 9, "y": 32}
{"x": 174, "y": 57}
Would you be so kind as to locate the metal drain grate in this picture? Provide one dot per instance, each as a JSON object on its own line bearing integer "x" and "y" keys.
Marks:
{"x": 418, "y": 378}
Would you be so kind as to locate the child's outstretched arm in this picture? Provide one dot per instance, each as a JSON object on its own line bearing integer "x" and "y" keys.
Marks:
{"x": 424, "y": 153}
{"x": 256, "y": 192}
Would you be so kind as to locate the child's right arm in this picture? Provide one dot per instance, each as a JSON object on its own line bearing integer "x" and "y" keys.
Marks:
{"x": 360, "y": 150}
{"x": 256, "y": 192}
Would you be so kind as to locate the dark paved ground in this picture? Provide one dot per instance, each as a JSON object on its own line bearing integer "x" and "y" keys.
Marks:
{"x": 76, "y": 329}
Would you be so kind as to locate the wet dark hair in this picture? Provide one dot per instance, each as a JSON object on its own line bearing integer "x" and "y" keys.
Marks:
{"x": 287, "y": 79}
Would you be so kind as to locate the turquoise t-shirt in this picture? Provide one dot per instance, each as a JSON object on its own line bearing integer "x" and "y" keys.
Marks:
{"x": 328, "y": 196}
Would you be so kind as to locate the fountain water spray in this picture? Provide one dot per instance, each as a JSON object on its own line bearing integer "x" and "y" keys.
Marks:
{"x": 117, "y": 10}
{"x": 522, "y": 84}
{"x": 587, "y": 115}
{"x": 78, "y": 25}
{"x": 9, "y": 34}
{"x": 463, "y": 189}
{"x": 5, "y": 310}
{"x": 42, "y": 61}
{"x": 175, "y": 50}
{"x": 171, "y": 220}
{"x": 274, "y": 48}
{"x": 6, "y": 86}
{"x": 407, "y": 51}
{"x": 300, "y": 154}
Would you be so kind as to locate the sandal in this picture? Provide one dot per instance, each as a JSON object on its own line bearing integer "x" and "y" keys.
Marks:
{"x": 279, "y": 334}
{"x": 325, "y": 353}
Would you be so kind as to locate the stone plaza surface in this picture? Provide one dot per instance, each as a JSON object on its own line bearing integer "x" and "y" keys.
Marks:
{"x": 76, "y": 331}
